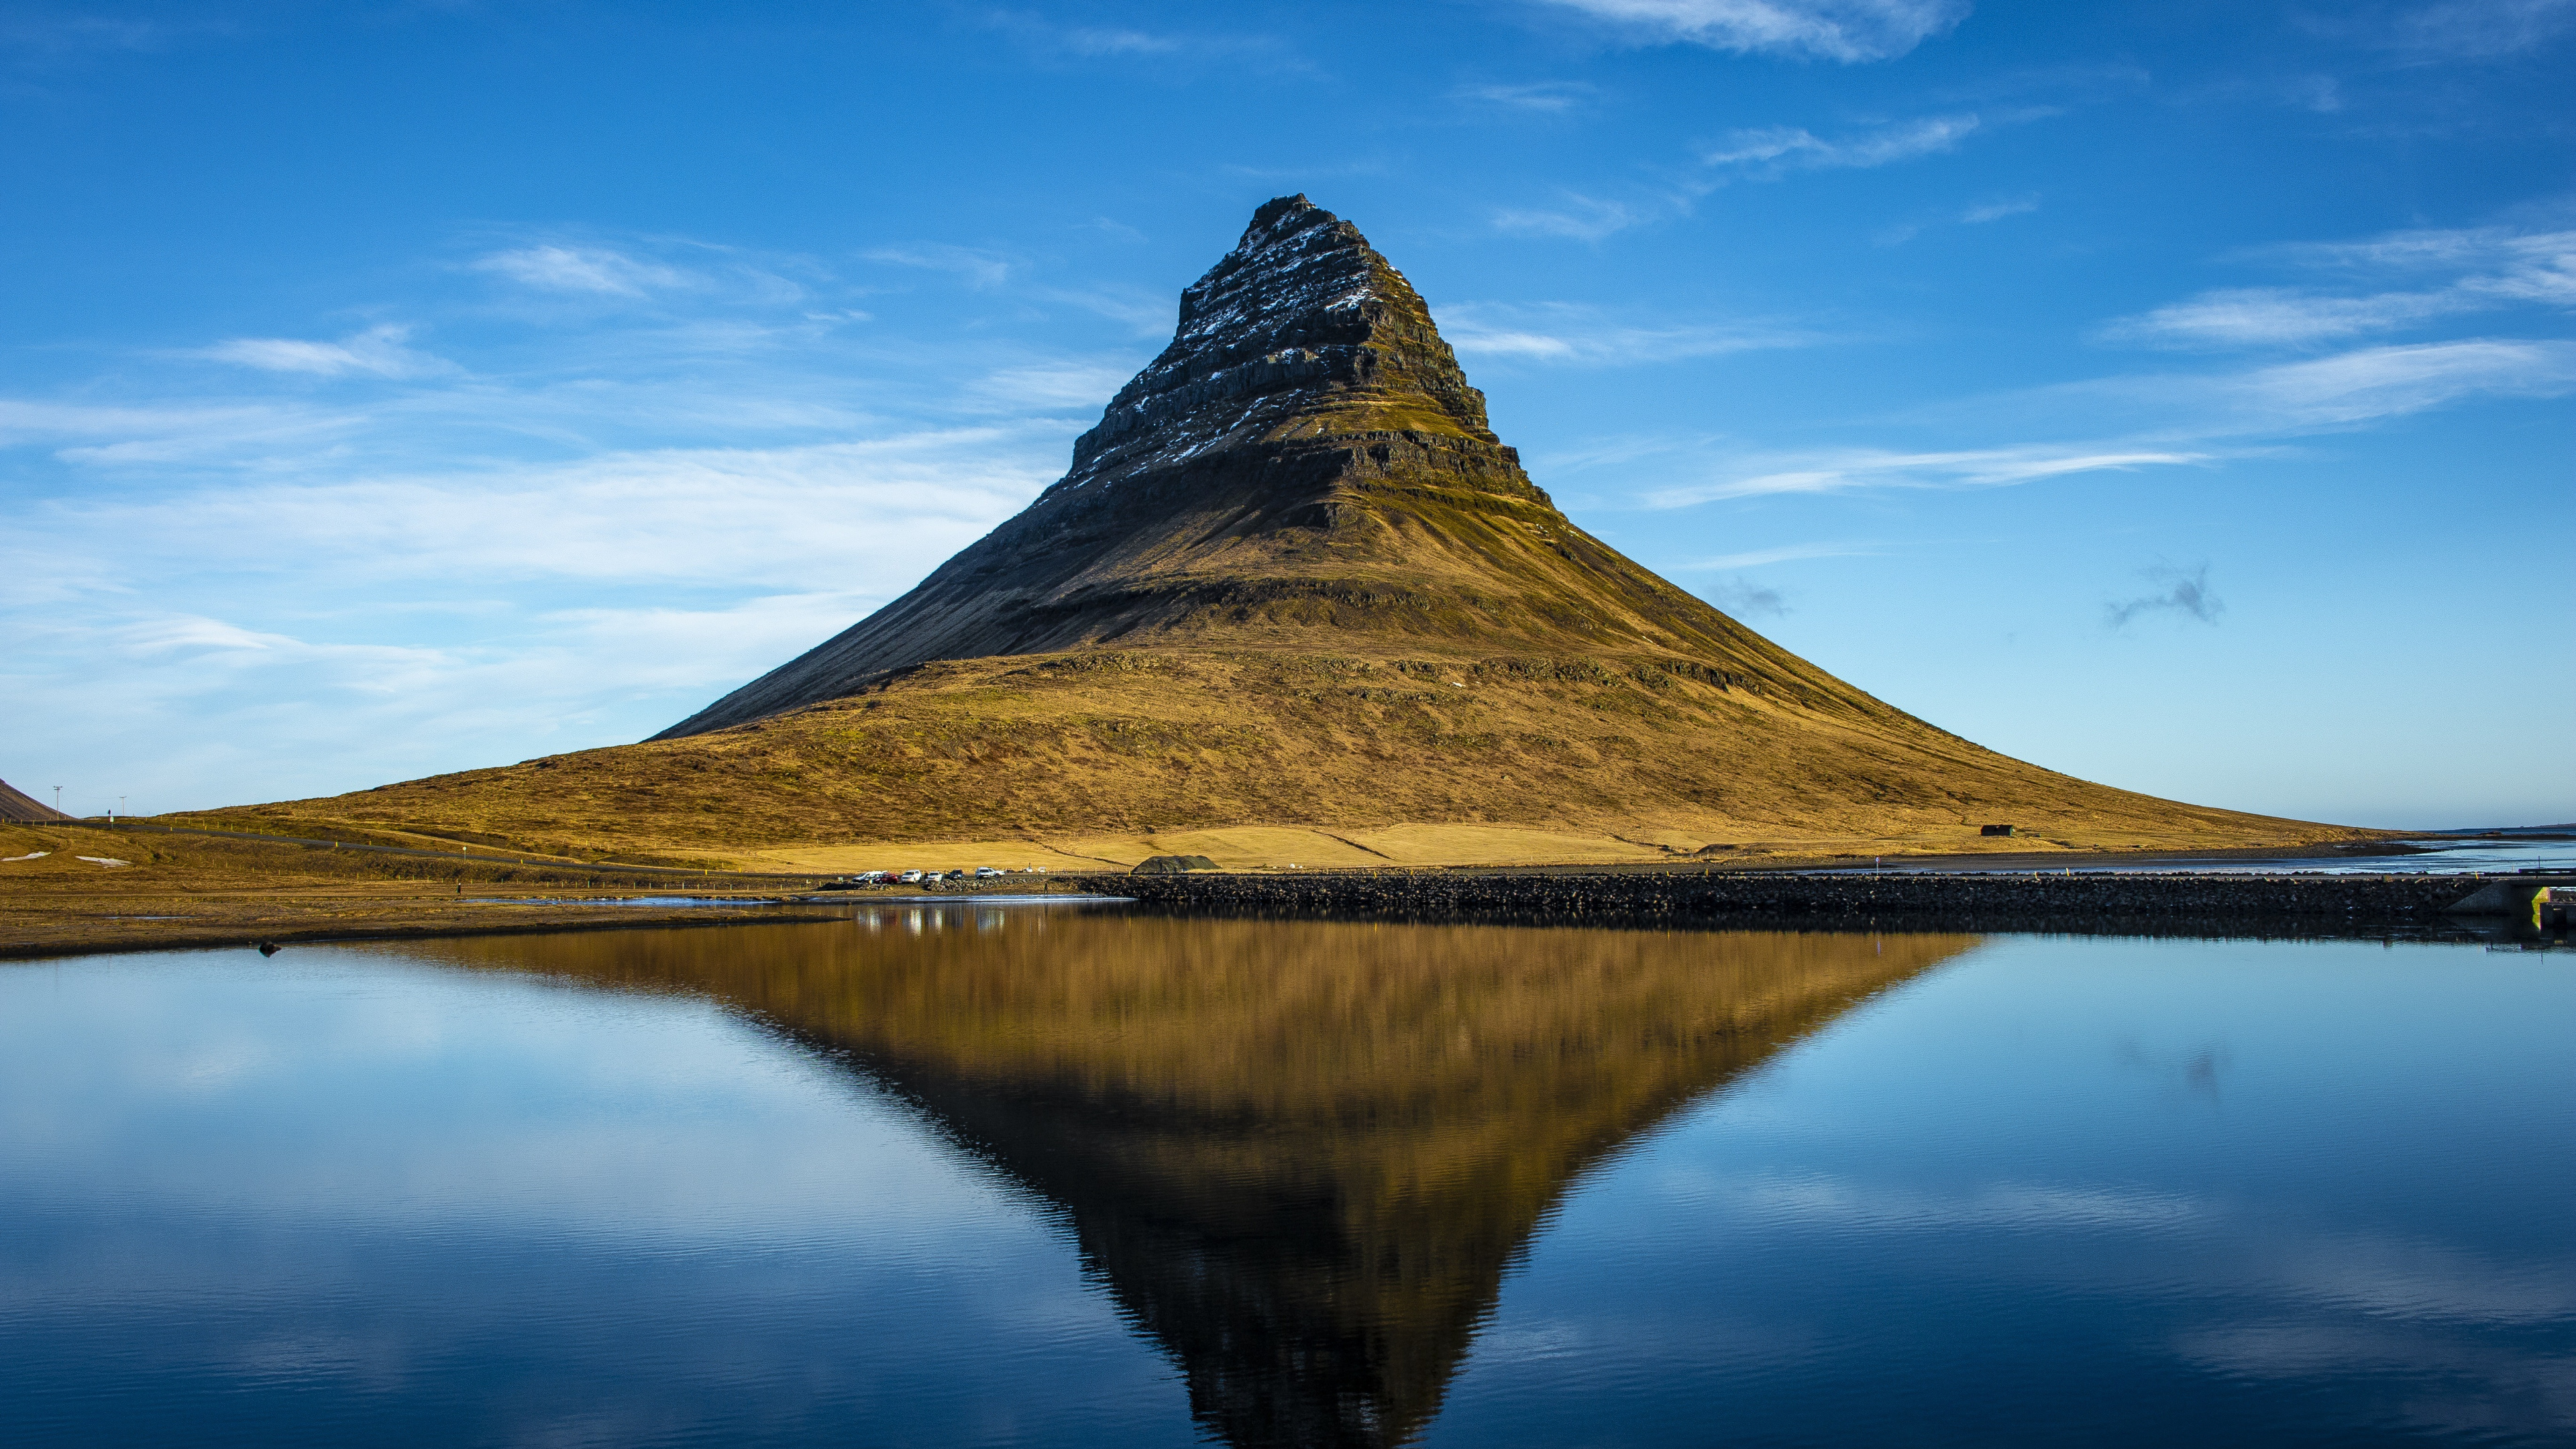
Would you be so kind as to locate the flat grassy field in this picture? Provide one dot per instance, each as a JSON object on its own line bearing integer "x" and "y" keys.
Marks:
{"x": 93, "y": 888}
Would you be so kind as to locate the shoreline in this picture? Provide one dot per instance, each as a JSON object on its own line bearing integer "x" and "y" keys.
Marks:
{"x": 2231, "y": 905}
{"x": 2372, "y": 905}
{"x": 625, "y": 918}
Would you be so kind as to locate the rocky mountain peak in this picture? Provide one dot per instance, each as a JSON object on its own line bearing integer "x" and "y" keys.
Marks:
{"x": 1304, "y": 466}
{"x": 1302, "y": 331}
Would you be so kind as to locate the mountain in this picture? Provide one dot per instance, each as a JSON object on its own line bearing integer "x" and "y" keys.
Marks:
{"x": 1294, "y": 601}
{"x": 1305, "y": 464}
{"x": 17, "y": 806}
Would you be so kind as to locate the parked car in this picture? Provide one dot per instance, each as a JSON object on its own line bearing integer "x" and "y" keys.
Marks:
{"x": 986, "y": 872}
{"x": 910, "y": 877}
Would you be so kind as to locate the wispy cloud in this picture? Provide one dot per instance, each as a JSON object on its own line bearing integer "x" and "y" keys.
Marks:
{"x": 1980, "y": 214}
{"x": 1764, "y": 153}
{"x": 2181, "y": 592}
{"x": 982, "y": 269}
{"x": 1787, "y": 553}
{"x": 1144, "y": 313}
{"x": 1053, "y": 386}
{"x": 1772, "y": 150}
{"x": 2471, "y": 270}
{"x": 59, "y": 34}
{"x": 1565, "y": 333}
{"x": 1854, "y": 469}
{"x": 1046, "y": 37}
{"x": 2278, "y": 316}
{"x": 2384, "y": 382}
{"x": 1997, "y": 210}
{"x": 1544, "y": 97}
{"x": 1583, "y": 218}
{"x": 2547, "y": 255}
{"x": 596, "y": 270}
{"x": 2452, "y": 30}
{"x": 376, "y": 352}
{"x": 2214, "y": 415}
{"x": 299, "y": 637}
{"x": 1844, "y": 30}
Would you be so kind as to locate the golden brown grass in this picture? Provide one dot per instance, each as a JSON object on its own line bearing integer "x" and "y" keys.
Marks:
{"x": 1267, "y": 758}
{"x": 182, "y": 890}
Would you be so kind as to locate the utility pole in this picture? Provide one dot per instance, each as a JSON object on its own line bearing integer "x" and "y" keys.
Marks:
{"x": 58, "y": 799}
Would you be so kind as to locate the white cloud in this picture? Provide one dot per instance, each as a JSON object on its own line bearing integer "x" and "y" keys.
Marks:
{"x": 1122, "y": 42}
{"x": 2475, "y": 269}
{"x": 979, "y": 269}
{"x": 1580, "y": 217}
{"x": 797, "y": 517}
{"x": 2275, "y": 316}
{"x": 1880, "y": 1207}
{"x": 1545, "y": 97}
{"x": 596, "y": 270}
{"x": 2383, "y": 382}
{"x": 66, "y": 34}
{"x": 172, "y": 433}
{"x": 377, "y": 352}
{"x": 2478, "y": 29}
{"x": 1570, "y": 334}
{"x": 1053, "y": 387}
{"x": 1979, "y": 215}
{"x": 1843, "y": 30}
{"x": 1998, "y": 210}
{"x": 1789, "y": 553}
{"x": 1852, "y": 469}
{"x": 1110, "y": 40}
{"x": 24, "y": 420}
{"x": 1146, "y": 314}
{"x": 275, "y": 591}
{"x": 1773, "y": 150}
{"x": 242, "y": 641}
{"x": 2472, "y": 249}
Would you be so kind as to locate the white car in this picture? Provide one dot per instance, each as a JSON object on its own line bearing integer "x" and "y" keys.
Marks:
{"x": 986, "y": 872}
{"x": 910, "y": 877}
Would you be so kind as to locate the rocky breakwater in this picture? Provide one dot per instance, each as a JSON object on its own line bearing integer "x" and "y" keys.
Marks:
{"x": 2100, "y": 903}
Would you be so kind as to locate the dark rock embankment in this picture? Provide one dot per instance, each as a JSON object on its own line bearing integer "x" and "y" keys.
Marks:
{"x": 2102, "y": 904}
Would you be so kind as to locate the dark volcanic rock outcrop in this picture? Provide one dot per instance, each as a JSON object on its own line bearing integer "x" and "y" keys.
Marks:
{"x": 1305, "y": 457}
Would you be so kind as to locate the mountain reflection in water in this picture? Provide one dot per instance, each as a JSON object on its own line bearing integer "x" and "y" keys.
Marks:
{"x": 1300, "y": 1155}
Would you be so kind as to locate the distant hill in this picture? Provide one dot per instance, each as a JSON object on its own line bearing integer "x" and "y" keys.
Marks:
{"x": 1293, "y": 583}
{"x": 17, "y": 806}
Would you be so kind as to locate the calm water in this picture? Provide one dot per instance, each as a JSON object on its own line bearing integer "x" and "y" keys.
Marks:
{"x": 2434, "y": 855}
{"x": 997, "y": 1176}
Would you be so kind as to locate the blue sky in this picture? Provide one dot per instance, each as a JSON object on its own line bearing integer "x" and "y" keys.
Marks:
{"x": 2174, "y": 394}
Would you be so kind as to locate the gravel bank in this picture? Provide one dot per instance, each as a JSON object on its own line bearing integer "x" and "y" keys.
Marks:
{"x": 2124, "y": 904}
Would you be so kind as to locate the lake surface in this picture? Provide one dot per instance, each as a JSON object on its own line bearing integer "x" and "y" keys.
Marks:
{"x": 1057, "y": 1176}
{"x": 2431, "y": 855}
